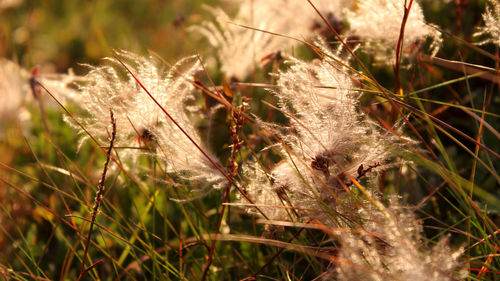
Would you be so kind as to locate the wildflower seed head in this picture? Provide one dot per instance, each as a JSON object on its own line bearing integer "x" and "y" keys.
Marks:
{"x": 389, "y": 246}
{"x": 139, "y": 118}
{"x": 327, "y": 144}
{"x": 378, "y": 24}
{"x": 241, "y": 49}
{"x": 325, "y": 121}
{"x": 111, "y": 86}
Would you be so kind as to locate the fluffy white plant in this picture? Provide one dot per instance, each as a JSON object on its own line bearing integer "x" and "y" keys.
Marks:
{"x": 328, "y": 142}
{"x": 291, "y": 17}
{"x": 378, "y": 24}
{"x": 491, "y": 23}
{"x": 241, "y": 50}
{"x": 140, "y": 119}
{"x": 112, "y": 87}
{"x": 14, "y": 91}
{"x": 389, "y": 246}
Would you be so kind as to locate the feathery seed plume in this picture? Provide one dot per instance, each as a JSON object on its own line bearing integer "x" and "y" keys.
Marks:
{"x": 140, "y": 119}
{"x": 329, "y": 144}
{"x": 378, "y": 24}
{"x": 491, "y": 23}
{"x": 241, "y": 50}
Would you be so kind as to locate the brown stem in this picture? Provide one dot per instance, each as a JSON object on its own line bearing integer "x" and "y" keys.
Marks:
{"x": 100, "y": 190}
{"x": 399, "y": 48}
{"x": 232, "y": 167}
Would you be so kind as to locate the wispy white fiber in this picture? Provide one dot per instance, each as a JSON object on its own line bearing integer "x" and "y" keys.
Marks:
{"x": 389, "y": 246}
{"x": 241, "y": 50}
{"x": 378, "y": 24}
{"x": 491, "y": 23}
{"x": 328, "y": 144}
{"x": 140, "y": 119}
{"x": 14, "y": 91}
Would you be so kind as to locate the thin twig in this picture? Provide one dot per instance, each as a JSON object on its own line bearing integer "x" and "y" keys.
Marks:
{"x": 100, "y": 190}
{"x": 399, "y": 48}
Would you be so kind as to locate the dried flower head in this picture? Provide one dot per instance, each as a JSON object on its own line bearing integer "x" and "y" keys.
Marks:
{"x": 389, "y": 246}
{"x": 110, "y": 86}
{"x": 239, "y": 49}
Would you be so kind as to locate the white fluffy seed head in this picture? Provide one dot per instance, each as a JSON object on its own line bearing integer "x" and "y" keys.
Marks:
{"x": 112, "y": 87}
{"x": 378, "y": 24}
{"x": 14, "y": 92}
{"x": 141, "y": 118}
{"x": 241, "y": 50}
{"x": 389, "y": 246}
{"x": 327, "y": 143}
{"x": 491, "y": 26}
{"x": 325, "y": 119}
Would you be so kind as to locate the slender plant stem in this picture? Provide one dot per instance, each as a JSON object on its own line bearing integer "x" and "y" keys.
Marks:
{"x": 99, "y": 193}
{"x": 399, "y": 48}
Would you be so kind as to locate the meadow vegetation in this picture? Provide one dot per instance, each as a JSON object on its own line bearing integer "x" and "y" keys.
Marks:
{"x": 249, "y": 140}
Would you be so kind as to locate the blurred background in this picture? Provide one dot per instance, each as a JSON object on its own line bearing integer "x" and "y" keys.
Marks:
{"x": 58, "y": 34}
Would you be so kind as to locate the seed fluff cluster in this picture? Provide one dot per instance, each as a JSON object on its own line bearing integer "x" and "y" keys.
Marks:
{"x": 378, "y": 24}
{"x": 267, "y": 27}
{"x": 491, "y": 23}
{"x": 328, "y": 142}
{"x": 389, "y": 246}
{"x": 241, "y": 49}
{"x": 331, "y": 154}
{"x": 141, "y": 122}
